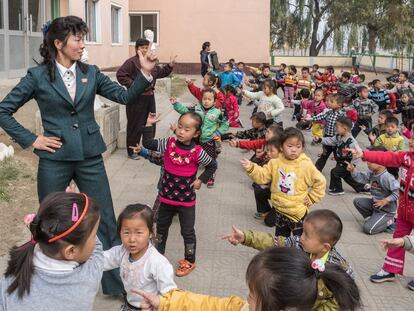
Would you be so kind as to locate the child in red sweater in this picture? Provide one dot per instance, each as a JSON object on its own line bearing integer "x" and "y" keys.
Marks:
{"x": 347, "y": 107}
{"x": 210, "y": 80}
{"x": 394, "y": 261}
{"x": 231, "y": 105}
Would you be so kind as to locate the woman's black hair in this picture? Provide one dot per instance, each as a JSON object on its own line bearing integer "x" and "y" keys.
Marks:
{"x": 209, "y": 90}
{"x": 282, "y": 277}
{"x": 204, "y": 46}
{"x": 214, "y": 79}
{"x": 53, "y": 218}
{"x": 230, "y": 88}
{"x": 291, "y": 132}
{"x": 140, "y": 211}
{"x": 60, "y": 29}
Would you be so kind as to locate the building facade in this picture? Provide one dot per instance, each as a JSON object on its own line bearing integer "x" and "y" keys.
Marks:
{"x": 236, "y": 29}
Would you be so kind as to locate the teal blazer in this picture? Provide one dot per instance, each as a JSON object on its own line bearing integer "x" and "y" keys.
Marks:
{"x": 71, "y": 120}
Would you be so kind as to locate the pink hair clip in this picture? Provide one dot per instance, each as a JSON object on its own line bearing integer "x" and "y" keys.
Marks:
{"x": 319, "y": 265}
{"x": 28, "y": 219}
{"x": 75, "y": 212}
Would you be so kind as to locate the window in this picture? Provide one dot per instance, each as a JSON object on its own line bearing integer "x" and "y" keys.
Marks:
{"x": 92, "y": 19}
{"x": 139, "y": 22}
{"x": 116, "y": 24}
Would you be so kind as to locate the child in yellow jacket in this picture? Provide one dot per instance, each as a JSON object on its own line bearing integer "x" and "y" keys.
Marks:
{"x": 272, "y": 278}
{"x": 296, "y": 184}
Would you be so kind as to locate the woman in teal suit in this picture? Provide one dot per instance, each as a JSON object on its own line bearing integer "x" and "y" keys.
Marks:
{"x": 71, "y": 146}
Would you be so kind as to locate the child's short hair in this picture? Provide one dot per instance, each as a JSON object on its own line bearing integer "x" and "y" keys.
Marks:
{"x": 375, "y": 81}
{"x": 315, "y": 66}
{"x": 345, "y": 121}
{"x": 265, "y": 67}
{"x": 330, "y": 69}
{"x": 361, "y": 77}
{"x": 292, "y": 132}
{"x": 392, "y": 120}
{"x": 214, "y": 79}
{"x": 283, "y": 65}
{"x": 293, "y": 68}
{"x": 404, "y": 73}
{"x": 346, "y": 75}
{"x": 305, "y": 93}
{"x": 344, "y": 100}
{"x": 140, "y": 211}
{"x": 305, "y": 69}
{"x": 386, "y": 113}
{"x": 259, "y": 117}
{"x": 334, "y": 98}
{"x": 229, "y": 64}
{"x": 319, "y": 89}
{"x": 241, "y": 63}
{"x": 276, "y": 130}
{"x": 231, "y": 60}
{"x": 361, "y": 88}
{"x": 209, "y": 90}
{"x": 230, "y": 88}
{"x": 327, "y": 225}
{"x": 274, "y": 142}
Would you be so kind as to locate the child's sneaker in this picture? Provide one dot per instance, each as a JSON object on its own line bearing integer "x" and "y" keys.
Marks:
{"x": 336, "y": 192}
{"x": 258, "y": 215}
{"x": 210, "y": 183}
{"x": 382, "y": 276}
{"x": 410, "y": 285}
{"x": 184, "y": 268}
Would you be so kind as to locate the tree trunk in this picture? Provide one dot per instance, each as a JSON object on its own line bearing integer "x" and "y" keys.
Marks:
{"x": 313, "y": 48}
{"x": 372, "y": 38}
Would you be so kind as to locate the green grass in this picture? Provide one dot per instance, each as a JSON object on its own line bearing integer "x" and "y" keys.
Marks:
{"x": 178, "y": 86}
{"x": 10, "y": 170}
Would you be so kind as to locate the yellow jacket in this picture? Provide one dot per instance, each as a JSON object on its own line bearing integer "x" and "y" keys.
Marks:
{"x": 181, "y": 300}
{"x": 393, "y": 142}
{"x": 292, "y": 181}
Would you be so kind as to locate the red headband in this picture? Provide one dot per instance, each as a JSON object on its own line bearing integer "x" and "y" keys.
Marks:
{"x": 75, "y": 225}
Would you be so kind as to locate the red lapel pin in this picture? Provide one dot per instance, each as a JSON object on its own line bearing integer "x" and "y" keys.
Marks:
{"x": 84, "y": 80}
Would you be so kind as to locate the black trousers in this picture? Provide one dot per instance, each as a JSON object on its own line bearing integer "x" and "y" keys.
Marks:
{"x": 287, "y": 227}
{"x": 262, "y": 197}
{"x": 365, "y": 122}
{"x": 137, "y": 115}
{"x": 186, "y": 215}
{"x": 90, "y": 177}
{"x": 326, "y": 152}
{"x": 340, "y": 172}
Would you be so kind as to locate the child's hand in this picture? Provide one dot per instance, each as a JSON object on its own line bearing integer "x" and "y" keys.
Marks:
{"x": 350, "y": 167}
{"x": 307, "y": 202}
{"x": 137, "y": 149}
{"x": 363, "y": 127}
{"x": 188, "y": 81}
{"x": 235, "y": 237}
{"x": 173, "y": 127}
{"x": 196, "y": 184}
{"x": 381, "y": 203}
{"x": 260, "y": 152}
{"x": 173, "y": 100}
{"x": 234, "y": 143}
{"x": 151, "y": 301}
{"x": 392, "y": 243}
{"x": 245, "y": 163}
{"x": 356, "y": 152}
{"x": 372, "y": 137}
{"x": 152, "y": 118}
{"x": 71, "y": 188}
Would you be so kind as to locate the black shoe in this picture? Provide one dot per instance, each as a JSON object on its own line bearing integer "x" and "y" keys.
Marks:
{"x": 336, "y": 192}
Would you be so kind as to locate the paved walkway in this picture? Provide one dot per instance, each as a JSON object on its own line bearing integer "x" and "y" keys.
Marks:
{"x": 221, "y": 267}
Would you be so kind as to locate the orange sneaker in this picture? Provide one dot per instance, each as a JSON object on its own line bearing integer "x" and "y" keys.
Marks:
{"x": 184, "y": 267}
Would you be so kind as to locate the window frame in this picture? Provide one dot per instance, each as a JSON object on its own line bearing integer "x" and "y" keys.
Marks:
{"x": 119, "y": 9}
{"x": 98, "y": 18}
{"x": 141, "y": 13}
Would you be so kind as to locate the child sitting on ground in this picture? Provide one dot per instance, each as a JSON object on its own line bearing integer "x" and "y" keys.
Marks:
{"x": 378, "y": 211}
{"x": 231, "y": 105}
{"x": 342, "y": 141}
{"x": 269, "y": 103}
{"x": 322, "y": 230}
{"x": 141, "y": 265}
{"x": 227, "y": 76}
{"x": 258, "y": 130}
{"x": 380, "y": 128}
{"x": 295, "y": 182}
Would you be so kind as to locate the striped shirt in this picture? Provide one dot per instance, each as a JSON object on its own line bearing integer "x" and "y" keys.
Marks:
{"x": 306, "y": 84}
{"x": 379, "y": 96}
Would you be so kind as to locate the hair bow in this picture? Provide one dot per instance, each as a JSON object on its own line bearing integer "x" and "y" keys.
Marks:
{"x": 318, "y": 265}
{"x": 45, "y": 27}
{"x": 28, "y": 219}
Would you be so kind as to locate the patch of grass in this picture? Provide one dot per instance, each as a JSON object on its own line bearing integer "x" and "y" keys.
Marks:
{"x": 10, "y": 170}
{"x": 178, "y": 86}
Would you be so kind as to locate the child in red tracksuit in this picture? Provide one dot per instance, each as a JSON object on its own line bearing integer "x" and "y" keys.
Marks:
{"x": 328, "y": 77}
{"x": 231, "y": 105}
{"x": 210, "y": 80}
{"x": 394, "y": 261}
